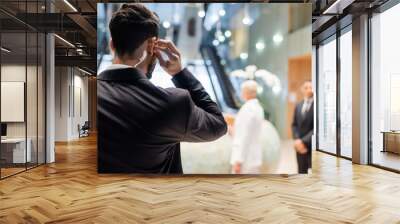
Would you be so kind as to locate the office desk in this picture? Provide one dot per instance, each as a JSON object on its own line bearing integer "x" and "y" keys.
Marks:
{"x": 13, "y": 150}
{"x": 391, "y": 141}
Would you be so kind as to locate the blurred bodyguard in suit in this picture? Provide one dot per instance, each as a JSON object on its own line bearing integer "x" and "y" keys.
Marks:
{"x": 140, "y": 125}
{"x": 303, "y": 127}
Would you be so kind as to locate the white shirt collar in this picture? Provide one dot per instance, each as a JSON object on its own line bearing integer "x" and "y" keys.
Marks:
{"x": 309, "y": 100}
{"x": 118, "y": 66}
{"x": 252, "y": 100}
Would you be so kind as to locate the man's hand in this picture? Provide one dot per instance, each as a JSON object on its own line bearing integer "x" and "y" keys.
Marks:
{"x": 173, "y": 64}
{"x": 231, "y": 130}
{"x": 237, "y": 168}
{"x": 230, "y": 120}
{"x": 300, "y": 147}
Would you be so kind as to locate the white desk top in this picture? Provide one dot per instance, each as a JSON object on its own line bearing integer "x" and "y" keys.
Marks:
{"x": 13, "y": 140}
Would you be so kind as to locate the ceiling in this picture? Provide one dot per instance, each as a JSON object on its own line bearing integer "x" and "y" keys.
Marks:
{"x": 74, "y": 22}
{"x": 332, "y": 15}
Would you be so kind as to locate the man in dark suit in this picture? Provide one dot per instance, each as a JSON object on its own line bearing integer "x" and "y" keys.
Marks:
{"x": 140, "y": 125}
{"x": 303, "y": 126}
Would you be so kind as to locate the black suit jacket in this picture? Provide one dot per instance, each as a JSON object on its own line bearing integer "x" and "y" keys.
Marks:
{"x": 141, "y": 125}
{"x": 303, "y": 125}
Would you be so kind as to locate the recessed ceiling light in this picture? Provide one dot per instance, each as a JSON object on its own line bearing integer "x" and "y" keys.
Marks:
{"x": 221, "y": 12}
{"x": 201, "y": 13}
{"x": 244, "y": 56}
{"x": 260, "y": 45}
{"x": 247, "y": 21}
{"x": 166, "y": 24}
{"x": 277, "y": 38}
{"x": 215, "y": 42}
{"x": 228, "y": 33}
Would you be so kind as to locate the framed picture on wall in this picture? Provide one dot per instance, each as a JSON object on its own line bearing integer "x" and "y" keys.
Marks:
{"x": 12, "y": 101}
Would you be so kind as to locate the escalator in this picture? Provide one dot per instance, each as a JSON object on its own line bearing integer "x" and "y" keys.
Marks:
{"x": 222, "y": 86}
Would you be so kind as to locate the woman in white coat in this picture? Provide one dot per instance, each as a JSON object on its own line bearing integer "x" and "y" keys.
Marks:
{"x": 246, "y": 157}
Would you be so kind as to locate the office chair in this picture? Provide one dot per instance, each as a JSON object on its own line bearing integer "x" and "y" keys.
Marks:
{"x": 84, "y": 130}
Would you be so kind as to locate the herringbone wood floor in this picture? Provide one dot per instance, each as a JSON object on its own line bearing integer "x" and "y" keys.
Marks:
{"x": 70, "y": 191}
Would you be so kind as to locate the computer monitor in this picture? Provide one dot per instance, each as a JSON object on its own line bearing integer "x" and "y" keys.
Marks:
{"x": 3, "y": 129}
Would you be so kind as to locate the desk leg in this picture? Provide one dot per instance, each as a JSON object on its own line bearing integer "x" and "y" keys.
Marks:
{"x": 384, "y": 142}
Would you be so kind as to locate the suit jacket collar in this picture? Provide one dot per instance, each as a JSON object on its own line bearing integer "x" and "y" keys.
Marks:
{"x": 123, "y": 74}
{"x": 311, "y": 101}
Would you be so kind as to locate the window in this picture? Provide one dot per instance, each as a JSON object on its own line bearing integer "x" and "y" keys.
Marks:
{"x": 385, "y": 89}
{"x": 346, "y": 94}
{"x": 327, "y": 97}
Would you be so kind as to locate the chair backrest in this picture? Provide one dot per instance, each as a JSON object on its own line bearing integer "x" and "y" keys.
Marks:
{"x": 86, "y": 125}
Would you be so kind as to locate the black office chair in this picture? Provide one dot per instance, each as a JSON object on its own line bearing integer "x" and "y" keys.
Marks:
{"x": 84, "y": 130}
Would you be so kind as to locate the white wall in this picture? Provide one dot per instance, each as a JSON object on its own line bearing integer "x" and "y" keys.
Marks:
{"x": 298, "y": 41}
{"x": 61, "y": 103}
{"x": 80, "y": 96}
{"x": 275, "y": 58}
{"x": 70, "y": 83}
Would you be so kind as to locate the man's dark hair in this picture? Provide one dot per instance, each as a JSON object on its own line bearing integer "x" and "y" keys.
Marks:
{"x": 130, "y": 26}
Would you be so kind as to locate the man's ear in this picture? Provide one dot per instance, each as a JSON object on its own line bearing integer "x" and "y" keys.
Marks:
{"x": 151, "y": 43}
{"x": 112, "y": 46}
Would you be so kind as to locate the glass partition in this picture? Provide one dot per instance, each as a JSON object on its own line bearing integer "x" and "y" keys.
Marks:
{"x": 14, "y": 153}
{"x": 346, "y": 94}
{"x": 327, "y": 97}
{"x": 22, "y": 89}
